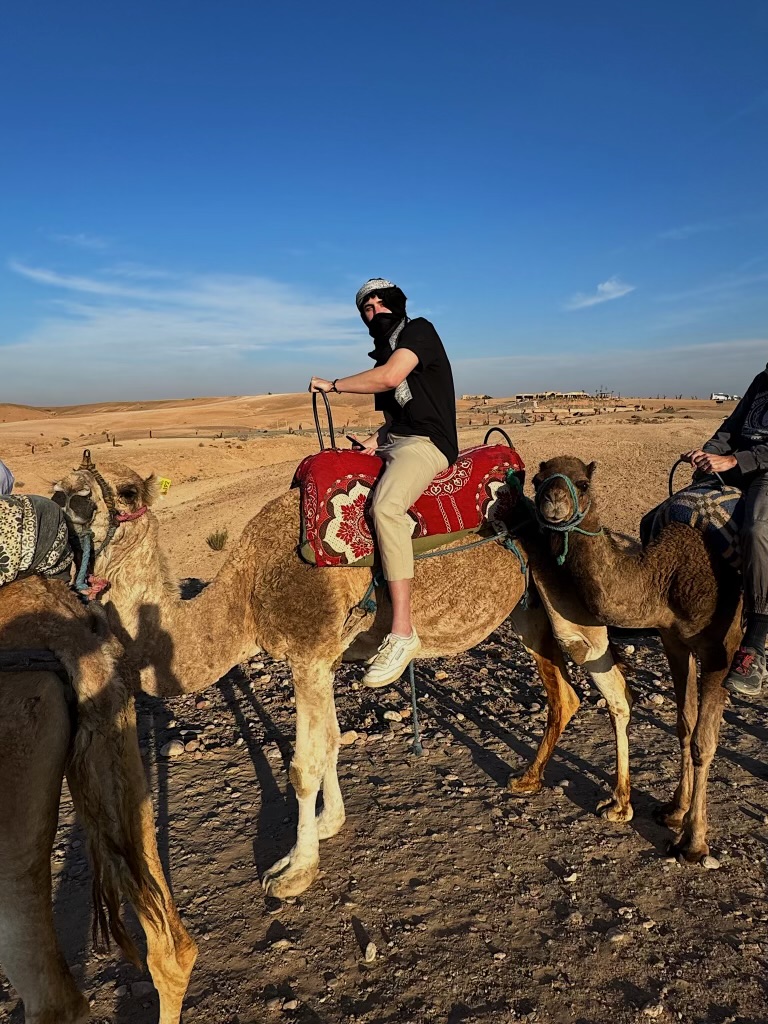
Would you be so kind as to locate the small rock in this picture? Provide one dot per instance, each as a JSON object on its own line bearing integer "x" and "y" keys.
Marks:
{"x": 616, "y": 935}
{"x": 121, "y": 990}
{"x": 142, "y": 988}
{"x": 656, "y": 698}
{"x": 710, "y": 863}
{"x": 291, "y": 1004}
{"x": 440, "y": 676}
{"x": 370, "y": 952}
{"x": 459, "y": 716}
{"x": 191, "y": 746}
{"x": 274, "y": 1004}
{"x": 500, "y": 956}
{"x": 266, "y": 678}
{"x": 202, "y": 704}
{"x": 629, "y": 648}
{"x": 387, "y": 736}
{"x": 281, "y": 944}
{"x": 653, "y": 1009}
{"x": 392, "y": 716}
{"x": 572, "y": 877}
{"x": 348, "y": 738}
{"x": 172, "y": 749}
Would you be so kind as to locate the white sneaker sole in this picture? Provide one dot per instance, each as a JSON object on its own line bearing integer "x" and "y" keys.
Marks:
{"x": 387, "y": 678}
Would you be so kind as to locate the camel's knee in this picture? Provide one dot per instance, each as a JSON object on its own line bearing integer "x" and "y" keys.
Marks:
{"x": 306, "y": 778}
{"x": 577, "y": 647}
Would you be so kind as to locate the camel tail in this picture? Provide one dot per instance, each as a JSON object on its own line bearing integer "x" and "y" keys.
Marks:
{"x": 110, "y": 795}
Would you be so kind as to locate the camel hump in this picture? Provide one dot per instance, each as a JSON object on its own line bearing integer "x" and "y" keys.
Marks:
{"x": 716, "y": 512}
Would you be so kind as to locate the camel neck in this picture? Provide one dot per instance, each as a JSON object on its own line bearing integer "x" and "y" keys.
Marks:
{"x": 176, "y": 646}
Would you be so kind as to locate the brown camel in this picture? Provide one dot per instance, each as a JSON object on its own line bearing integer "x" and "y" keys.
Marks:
{"x": 266, "y": 598}
{"x": 676, "y": 585}
{"x": 81, "y": 724}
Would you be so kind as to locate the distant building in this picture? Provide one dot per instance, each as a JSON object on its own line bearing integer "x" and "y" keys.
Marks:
{"x": 720, "y": 396}
{"x": 550, "y": 396}
{"x": 475, "y": 398}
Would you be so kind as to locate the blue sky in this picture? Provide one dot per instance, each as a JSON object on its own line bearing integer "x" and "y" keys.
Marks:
{"x": 193, "y": 192}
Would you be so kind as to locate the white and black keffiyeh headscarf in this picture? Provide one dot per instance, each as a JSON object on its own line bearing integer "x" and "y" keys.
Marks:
{"x": 380, "y": 286}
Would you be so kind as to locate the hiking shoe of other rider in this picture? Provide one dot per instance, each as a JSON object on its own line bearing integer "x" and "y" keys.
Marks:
{"x": 746, "y": 675}
{"x": 392, "y": 659}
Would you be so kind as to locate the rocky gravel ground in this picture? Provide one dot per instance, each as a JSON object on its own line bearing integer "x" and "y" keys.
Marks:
{"x": 444, "y": 898}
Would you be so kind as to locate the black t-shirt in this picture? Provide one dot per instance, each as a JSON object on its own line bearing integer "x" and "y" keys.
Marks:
{"x": 431, "y": 412}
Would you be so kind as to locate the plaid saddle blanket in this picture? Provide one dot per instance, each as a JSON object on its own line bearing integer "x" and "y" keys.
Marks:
{"x": 336, "y": 486}
{"x": 33, "y": 539}
{"x": 717, "y": 512}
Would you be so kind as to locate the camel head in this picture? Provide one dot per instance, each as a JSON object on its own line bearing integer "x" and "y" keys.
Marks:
{"x": 554, "y": 498}
{"x": 97, "y": 499}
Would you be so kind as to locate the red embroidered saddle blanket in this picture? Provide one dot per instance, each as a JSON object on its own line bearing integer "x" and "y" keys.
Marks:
{"x": 336, "y": 486}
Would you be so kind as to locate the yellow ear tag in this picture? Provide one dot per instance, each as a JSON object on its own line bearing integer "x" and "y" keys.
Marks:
{"x": 165, "y": 484}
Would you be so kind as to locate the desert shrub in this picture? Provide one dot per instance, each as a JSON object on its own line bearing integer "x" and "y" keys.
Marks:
{"x": 217, "y": 539}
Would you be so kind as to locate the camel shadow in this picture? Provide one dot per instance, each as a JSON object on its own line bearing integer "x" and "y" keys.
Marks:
{"x": 581, "y": 790}
{"x": 277, "y": 809}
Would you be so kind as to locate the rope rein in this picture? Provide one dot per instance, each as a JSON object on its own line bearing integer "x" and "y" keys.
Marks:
{"x": 570, "y": 525}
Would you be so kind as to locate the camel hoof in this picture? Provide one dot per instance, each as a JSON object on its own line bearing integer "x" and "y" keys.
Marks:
{"x": 328, "y": 827}
{"x": 285, "y": 879}
{"x": 524, "y": 786}
{"x": 613, "y": 810}
{"x": 684, "y": 853}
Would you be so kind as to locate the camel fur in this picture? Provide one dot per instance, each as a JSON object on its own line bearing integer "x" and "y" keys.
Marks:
{"x": 676, "y": 585}
{"x": 92, "y": 740}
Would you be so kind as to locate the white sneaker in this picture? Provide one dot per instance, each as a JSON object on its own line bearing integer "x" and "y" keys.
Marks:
{"x": 392, "y": 660}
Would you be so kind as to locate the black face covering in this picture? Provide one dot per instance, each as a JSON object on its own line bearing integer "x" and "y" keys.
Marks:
{"x": 382, "y": 325}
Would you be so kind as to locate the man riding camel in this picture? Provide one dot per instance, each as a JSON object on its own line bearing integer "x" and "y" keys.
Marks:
{"x": 413, "y": 385}
{"x": 739, "y": 450}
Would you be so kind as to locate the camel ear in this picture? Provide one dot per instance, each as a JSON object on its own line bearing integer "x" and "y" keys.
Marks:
{"x": 591, "y": 469}
{"x": 150, "y": 490}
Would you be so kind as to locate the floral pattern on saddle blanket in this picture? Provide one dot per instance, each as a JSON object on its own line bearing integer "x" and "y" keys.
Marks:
{"x": 336, "y": 487}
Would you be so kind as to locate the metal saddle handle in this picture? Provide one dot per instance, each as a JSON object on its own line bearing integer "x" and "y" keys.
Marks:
{"x": 680, "y": 462}
{"x": 317, "y": 419}
{"x": 504, "y": 434}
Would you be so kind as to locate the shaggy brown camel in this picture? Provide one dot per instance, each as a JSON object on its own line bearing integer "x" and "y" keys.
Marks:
{"x": 92, "y": 739}
{"x": 266, "y": 598}
{"x": 676, "y": 585}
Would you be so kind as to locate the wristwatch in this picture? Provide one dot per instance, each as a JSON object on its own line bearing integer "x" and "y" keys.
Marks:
{"x": 334, "y": 388}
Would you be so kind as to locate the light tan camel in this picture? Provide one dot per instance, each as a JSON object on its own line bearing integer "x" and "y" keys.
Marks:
{"x": 676, "y": 585}
{"x": 90, "y": 737}
{"x": 266, "y": 598}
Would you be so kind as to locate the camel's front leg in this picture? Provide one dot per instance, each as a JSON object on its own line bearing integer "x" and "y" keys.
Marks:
{"x": 586, "y": 641}
{"x": 313, "y": 760}
{"x": 590, "y": 649}
{"x": 692, "y": 845}
{"x": 682, "y": 666}
{"x": 535, "y": 632}
{"x": 333, "y": 815}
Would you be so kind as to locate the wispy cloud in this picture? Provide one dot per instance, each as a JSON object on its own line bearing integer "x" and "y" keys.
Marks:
{"x": 613, "y": 288}
{"x": 80, "y": 240}
{"x": 687, "y": 230}
{"x": 133, "y": 327}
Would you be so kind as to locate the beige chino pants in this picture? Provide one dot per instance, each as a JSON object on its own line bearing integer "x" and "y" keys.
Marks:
{"x": 412, "y": 463}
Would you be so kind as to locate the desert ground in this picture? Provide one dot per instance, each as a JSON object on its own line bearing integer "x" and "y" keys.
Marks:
{"x": 481, "y": 906}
